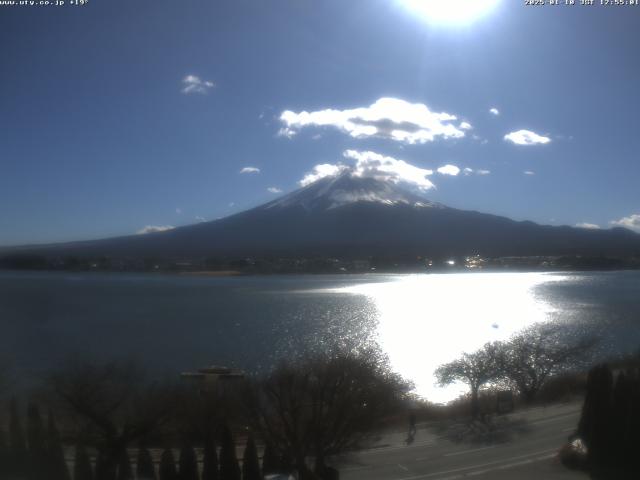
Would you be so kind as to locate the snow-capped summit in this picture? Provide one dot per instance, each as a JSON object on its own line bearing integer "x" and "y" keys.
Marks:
{"x": 347, "y": 188}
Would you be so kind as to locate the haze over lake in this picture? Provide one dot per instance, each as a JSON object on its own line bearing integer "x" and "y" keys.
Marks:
{"x": 172, "y": 323}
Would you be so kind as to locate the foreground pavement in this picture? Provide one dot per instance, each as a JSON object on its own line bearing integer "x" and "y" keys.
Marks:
{"x": 530, "y": 455}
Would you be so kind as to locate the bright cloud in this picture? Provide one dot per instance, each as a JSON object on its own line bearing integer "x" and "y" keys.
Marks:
{"x": 389, "y": 118}
{"x": 321, "y": 171}
{"x": 375, "y": 165}
{"x": 632, "y": 222}
{"x": 494, "y": 111}
{"x": 194, "y": 84}
{"x": 250, "y": 170}
{"x": 471, "y": 171}
{"x": 274, "y": 190}
{"x": 154, "y": 229}
{"x": 589, "y": 226}
{"x": 529, "y": 172}
{"x": 526, "y": 137}
{"x": 465, "y": 126}
{"x": 448, "y": 170}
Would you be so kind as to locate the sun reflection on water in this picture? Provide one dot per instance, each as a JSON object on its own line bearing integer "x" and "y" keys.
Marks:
{"x": 427, "y": 320}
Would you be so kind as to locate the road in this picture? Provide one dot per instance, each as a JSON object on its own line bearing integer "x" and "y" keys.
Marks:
{"x": 529, "y": 455}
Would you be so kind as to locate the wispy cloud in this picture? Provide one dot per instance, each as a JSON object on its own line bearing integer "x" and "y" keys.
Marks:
{"x": 194, "y": 84}
{"x": 588, "y": 226}
{"x": 200, "y": 219}
{"x": 529, "y": 172}
{"x": 250, "y": 170}
{"x": 449, "y": 170}
{"x": 390, "y": 118}
{"x": 526, "y": 137}
{"x": 274, "y": 190}
{"x": 154, "y": 229}
{"x": 465, "y": 126}
{"x": 179, "y": 211}
{"x": 471, "y": 171}
{"x": 632, "y": 222}
{"x": 494, "y": 111}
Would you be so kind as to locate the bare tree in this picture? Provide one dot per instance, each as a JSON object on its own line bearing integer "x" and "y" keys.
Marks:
{"x": 475, "y": 369}
{"x": 539, "y": 352}
{"x": 113, "y": 405}
{"x": 324, "y": 405}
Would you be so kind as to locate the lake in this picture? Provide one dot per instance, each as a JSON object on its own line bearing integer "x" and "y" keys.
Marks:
{"x": 173, "y": 323}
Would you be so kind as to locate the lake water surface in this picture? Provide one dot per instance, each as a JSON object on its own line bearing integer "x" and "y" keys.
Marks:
{"x": 172, "y": 323}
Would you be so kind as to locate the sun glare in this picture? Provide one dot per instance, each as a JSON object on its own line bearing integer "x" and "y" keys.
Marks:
{"x": 451, "y": 12}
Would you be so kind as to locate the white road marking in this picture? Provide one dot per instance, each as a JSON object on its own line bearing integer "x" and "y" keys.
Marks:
{"x": 378, "y": 451}
{"x": 453, "y": 454}
{"x": 495, "y": 463}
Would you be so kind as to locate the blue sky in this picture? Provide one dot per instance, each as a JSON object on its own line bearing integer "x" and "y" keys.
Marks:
{"x": 121, "y": 114}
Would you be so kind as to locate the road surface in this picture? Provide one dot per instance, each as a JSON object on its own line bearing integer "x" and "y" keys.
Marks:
{"x": 530, "y": 455}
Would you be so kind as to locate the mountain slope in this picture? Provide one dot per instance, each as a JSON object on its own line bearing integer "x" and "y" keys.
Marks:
{"x": 353, "y": 216}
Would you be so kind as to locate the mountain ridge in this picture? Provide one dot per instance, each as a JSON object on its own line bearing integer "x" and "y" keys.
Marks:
{"x": 348, "y": 215}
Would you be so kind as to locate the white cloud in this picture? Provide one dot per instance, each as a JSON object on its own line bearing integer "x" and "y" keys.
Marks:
{"x": 469, "y": 171}
{"x": 200, "y": 219}
{"x": 588, "y": 226}
{"x": 154, "y": 229}
{"x": 274, "y": 190}
{"x": 250, "y": 170}
{"x": 631, "y": 222}
{"x": 529, "y": 172}
{"x": 494, "y": 111}
{"x": 389, "y": 118}
{"x": 465, "y": 126}
{"x": 449, "y": 170}
{"x": 375, "y": 165}
{"x": 321, "y": 171}
{"x": 526, "y": 137}
{"x": 195, "y": 84}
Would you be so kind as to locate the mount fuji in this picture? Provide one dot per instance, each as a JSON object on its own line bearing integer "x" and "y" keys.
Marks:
{"x": 354, "y": 216}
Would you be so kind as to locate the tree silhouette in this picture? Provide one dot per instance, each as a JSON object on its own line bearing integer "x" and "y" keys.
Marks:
{"x": 144, "y": 468}
{"x": 57, "y": 464}
{"x": 270, "y": 463}
{"x": 210, "y": 461}
{"x": 250, "y": 463}
{"x": 610, "y": 416}
{"x": 36, "y": 440}
{"x": 475, "y": 369}
{"x": 168, "y": 466}
{"x": 17, "y": 444}
{"x": 119, "y": 406}
{"x": 4, "y": 456}
{"x": 539, "y": 352}
{"x": 105, "y": 469}
{"x": 82, "y": 466}
{"x": 323, "y": 405}
{"x": 188, "y": 463}
{"x": 229, "y": 468}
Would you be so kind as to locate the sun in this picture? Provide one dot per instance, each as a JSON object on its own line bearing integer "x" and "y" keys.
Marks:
{"x": 450, "y": 12}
